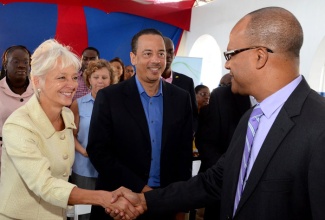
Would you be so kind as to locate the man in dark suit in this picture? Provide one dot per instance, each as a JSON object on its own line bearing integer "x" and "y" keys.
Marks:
{"x": 217, "y": 123}
{"x": 285, "y": 174}
{"x": 141, "y": 129}
{"x": 179, "y": 79}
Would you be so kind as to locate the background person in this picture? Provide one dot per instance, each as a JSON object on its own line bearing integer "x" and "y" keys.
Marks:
{"x": 88, "y": 54}
{"x": 129, "y": 72}
{"x": 217, "y": 124}
{"x": 179, "y": 79}
{"x": 15, "y": 87}
{"x": 118, "y": 69}
{"x": 38, "y": 144}
{"x": 98, "y": 75}
{"x": 202, "y": 94}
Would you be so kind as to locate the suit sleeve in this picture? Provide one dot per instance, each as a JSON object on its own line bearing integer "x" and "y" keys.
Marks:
{"x": 194, "y": 106}
{"x": 199, "y": 191}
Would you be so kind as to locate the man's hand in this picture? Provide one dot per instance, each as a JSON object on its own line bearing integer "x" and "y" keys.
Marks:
{"x": 137, "y": 200}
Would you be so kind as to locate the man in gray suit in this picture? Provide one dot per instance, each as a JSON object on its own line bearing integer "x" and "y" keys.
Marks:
{"x": 285, "y": 173}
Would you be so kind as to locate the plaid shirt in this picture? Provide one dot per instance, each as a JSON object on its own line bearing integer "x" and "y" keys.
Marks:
{"x": 82, "y": 87}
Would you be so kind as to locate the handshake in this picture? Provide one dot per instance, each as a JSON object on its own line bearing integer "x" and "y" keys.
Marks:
{"x": 126, "y": 204}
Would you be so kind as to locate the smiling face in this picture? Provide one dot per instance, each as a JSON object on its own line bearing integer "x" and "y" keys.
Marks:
{"x": 117, "y": 67}
{"x": 98, "y": 80}
{"x": 17, "y": 66}
{"x": 149, "y": 58}
{"x": 58, "y": 87}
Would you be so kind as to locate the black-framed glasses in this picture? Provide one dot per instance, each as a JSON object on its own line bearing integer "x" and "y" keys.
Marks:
{"x": 230, "y": 53}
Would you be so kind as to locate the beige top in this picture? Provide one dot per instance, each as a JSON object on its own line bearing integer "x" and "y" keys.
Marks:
{"x": 36, "y": 163}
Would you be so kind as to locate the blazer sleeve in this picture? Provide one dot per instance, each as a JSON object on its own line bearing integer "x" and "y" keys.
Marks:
{"x": 199, "y": 191}
{"x": 33, "y": 167}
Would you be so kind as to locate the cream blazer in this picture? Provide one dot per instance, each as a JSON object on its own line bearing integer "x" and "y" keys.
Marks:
{"x": 36, "y": 163}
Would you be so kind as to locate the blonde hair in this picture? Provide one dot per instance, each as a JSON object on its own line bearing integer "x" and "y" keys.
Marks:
{"x": 48, "y": 56}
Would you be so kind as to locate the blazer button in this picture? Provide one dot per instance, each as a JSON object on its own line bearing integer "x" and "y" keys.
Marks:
{"x": 62, "y": 137}
{"x": 65, "y": 156}
{"x": 228, "y": 217}
{"x": 65, "y": 174}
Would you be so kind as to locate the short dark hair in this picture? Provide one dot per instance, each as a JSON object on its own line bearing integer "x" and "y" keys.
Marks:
{"x": 198, "y": 88}
{"x": 92, "y": 48}
{"x": 134, "y": 42}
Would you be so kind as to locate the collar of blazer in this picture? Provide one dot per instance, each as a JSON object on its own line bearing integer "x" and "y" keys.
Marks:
{"x": 279, "y": 130}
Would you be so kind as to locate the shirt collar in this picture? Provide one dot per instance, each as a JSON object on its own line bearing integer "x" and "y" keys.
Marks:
{"x": 41, "y": 120}
{"x": 277, "y": 99}
{"x": 88, "y": 97}
{"x": 170, "y": 78}
{"x": 141, "y": 89}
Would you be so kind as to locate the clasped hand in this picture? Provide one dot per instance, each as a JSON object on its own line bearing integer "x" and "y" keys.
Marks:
{"x": 128, "y": 205}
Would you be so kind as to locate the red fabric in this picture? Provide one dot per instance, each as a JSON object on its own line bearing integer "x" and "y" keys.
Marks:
{"x": 174, "y": 13}
{"x": 72, "y": 28}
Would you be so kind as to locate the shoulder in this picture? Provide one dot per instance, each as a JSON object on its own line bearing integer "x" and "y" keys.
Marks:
{"x": 174, "y": 89}
{"x": 68, "y": 117}
{"x": 177, "y": 75}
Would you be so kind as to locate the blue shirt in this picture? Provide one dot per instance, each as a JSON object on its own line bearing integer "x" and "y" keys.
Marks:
{"x": 153, "y": 108}
{"x": 82, "y": 165}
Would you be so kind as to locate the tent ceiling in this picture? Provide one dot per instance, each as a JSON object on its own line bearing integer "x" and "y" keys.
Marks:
{"x": 174, "y": 12}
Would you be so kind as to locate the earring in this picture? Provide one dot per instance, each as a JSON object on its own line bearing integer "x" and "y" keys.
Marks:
{"x": 39, "y": 90}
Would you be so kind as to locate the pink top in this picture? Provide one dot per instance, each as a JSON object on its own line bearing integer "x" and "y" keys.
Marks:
{"x": 10, "y": 101}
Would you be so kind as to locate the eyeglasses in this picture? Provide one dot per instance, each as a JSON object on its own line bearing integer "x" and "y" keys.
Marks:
{"x": 224, "y": 84}
{"x": 230, "y": 53}
{"x": 204, "y": 94}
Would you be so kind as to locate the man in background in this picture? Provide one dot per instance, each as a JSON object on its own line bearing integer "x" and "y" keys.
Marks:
{"x": 217, "y": 124}
{"x": 179, "y": 79}
{"x": 88, "y": 54}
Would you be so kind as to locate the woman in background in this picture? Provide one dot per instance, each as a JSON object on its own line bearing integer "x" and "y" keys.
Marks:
{"x": 15, "y": 87}
{"x": 98, "y": 74}
{"x": 38, "y": 144}
{"x": 202, "y": 96}
{"x": 118, "y": 69}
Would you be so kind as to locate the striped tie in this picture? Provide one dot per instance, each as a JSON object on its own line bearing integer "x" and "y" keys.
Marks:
{"x": 251, "y": 130}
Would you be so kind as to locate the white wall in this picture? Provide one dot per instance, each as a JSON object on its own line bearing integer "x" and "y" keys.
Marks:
{"x": 217, "y": 19}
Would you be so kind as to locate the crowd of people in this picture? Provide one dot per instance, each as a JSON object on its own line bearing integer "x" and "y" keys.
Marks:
{"x": 121, "y": 138}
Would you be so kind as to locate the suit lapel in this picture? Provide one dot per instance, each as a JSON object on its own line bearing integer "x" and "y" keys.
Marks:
{"x": 134, "y": 105}
{"x": 167, "y": 113}
{"x": 279, "y": 130}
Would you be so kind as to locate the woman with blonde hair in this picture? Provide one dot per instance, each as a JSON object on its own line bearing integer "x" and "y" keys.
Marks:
{"x": 38, "y": 144}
